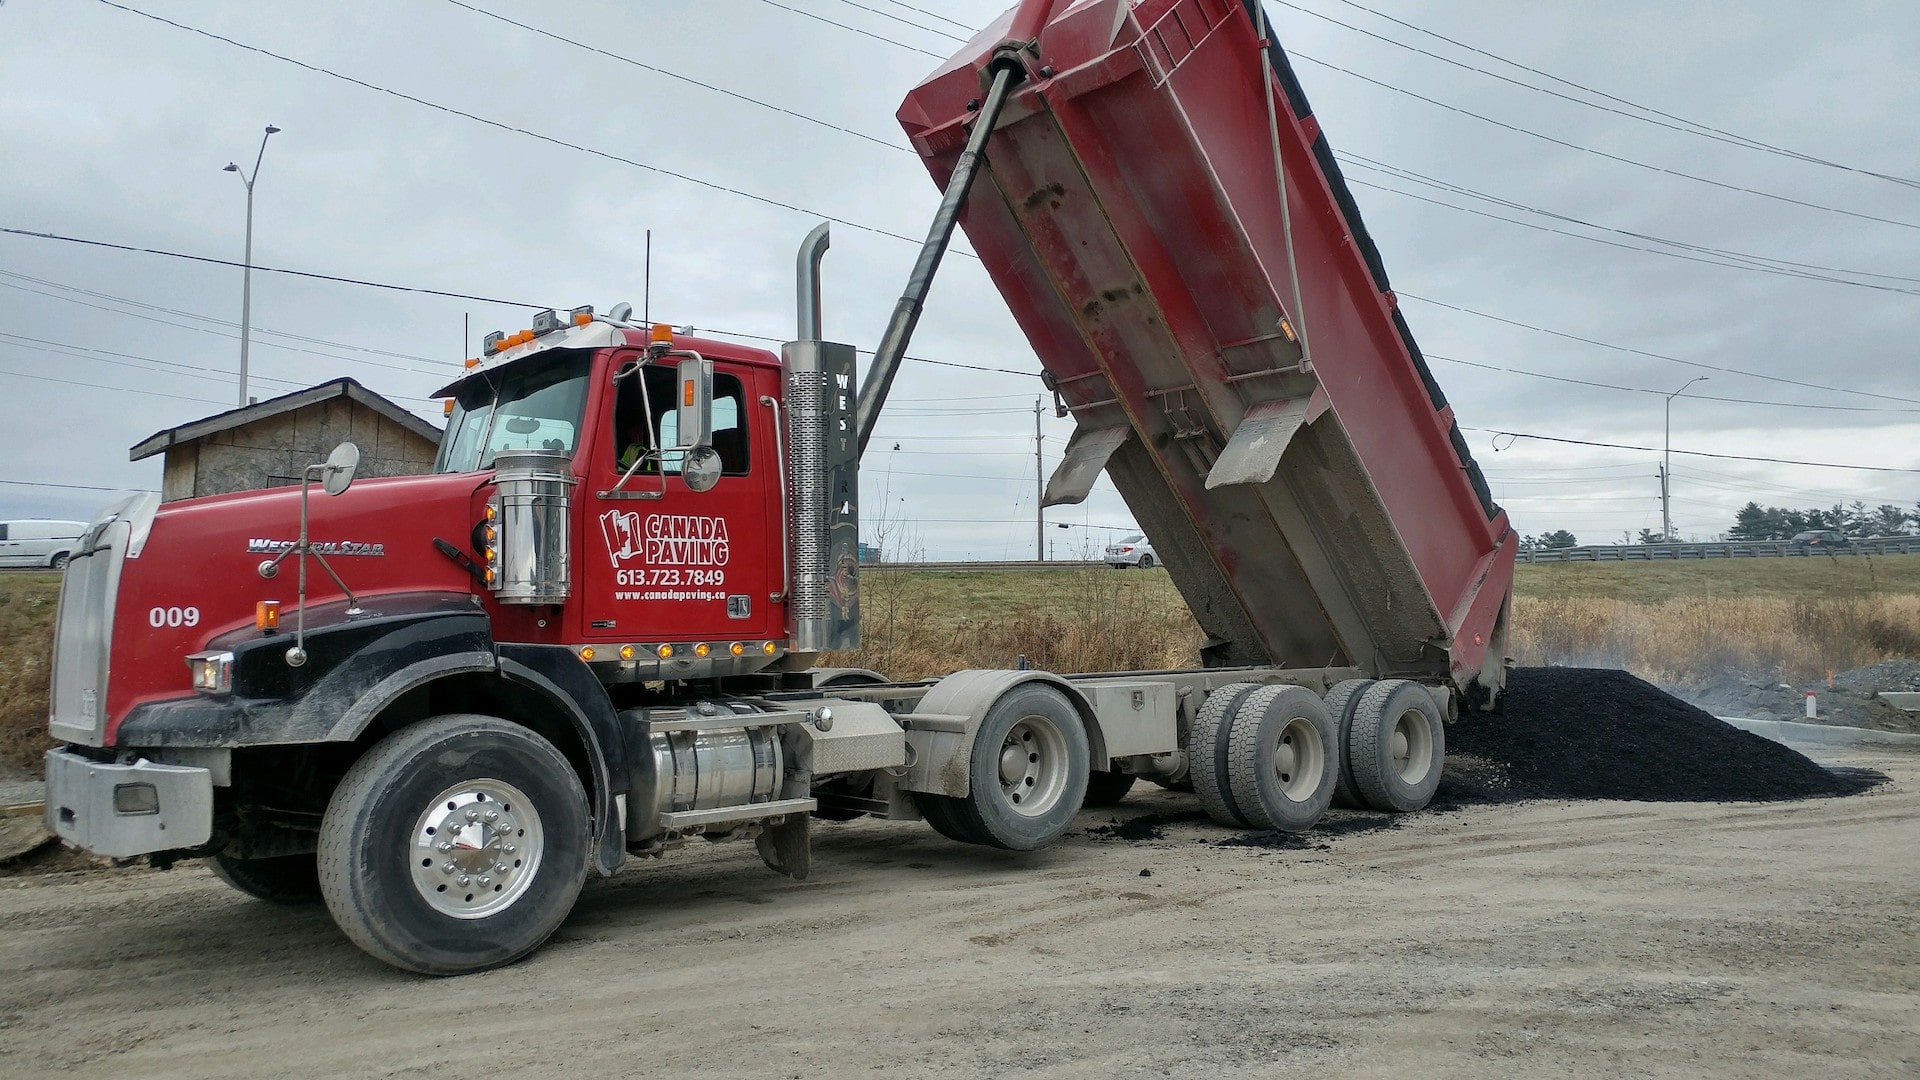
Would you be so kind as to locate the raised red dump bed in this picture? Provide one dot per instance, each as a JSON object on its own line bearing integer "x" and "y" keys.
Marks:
{"x": 1312, "y": 514}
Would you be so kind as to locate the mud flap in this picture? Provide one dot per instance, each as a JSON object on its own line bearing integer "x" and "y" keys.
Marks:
{"x": 1254, "y": 451}
{"x": 787, "y": 848}
{"x": 1087, "y": 453}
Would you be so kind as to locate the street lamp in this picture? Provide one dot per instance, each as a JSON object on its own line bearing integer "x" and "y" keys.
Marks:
{"x": 1666, "y": 466}
{"x": 246, "y": 274}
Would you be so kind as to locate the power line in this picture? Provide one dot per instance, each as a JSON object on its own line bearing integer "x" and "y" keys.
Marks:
{"x": 1779, "y": 267}
{"x": 1703, "y": 128}
{"x": 258, "y": 269}
{"x": 219, "y": 333}
{"x": 904, "y": 21}
{"x": 530, "y": 133}
{"x": 1590, "y": 150}
{"x": 527, "y": 304}
{"x": 222, "y": 322}
{"x": 642, "y": 65}
{"x": 853, "y": 29}
{"x": 149, "y": 362}
{"x": 95, "y": 386}
{"x": 933, "y": 14}
{"x": 1662, "y": 393}
{"x": 1654, "y": 355}
{"x": 70, "y": 487}
{"x": 1499, "y": 434}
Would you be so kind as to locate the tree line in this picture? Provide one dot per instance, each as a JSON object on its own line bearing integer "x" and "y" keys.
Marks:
{"x": 1856, "y": 519}
{"x": 1755, "y": 522}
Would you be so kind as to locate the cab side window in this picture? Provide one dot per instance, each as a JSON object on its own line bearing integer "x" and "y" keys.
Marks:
{"x": 635, "y": 429}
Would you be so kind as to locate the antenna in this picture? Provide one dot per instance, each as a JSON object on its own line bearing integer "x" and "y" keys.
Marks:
{"x": 646, "y": 284}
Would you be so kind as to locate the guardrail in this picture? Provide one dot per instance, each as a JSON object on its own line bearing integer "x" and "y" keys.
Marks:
{"x": 1722, "y": 549}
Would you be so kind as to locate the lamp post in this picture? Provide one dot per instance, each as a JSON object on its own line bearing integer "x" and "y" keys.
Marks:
{"x": 246, "y": 273}
{"x": 1666, "y": 466}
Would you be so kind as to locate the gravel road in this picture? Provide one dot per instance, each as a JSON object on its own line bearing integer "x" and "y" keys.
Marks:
{"x": 1566, "y": 938}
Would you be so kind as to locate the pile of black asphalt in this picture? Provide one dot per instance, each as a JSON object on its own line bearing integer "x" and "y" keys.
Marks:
{"x": 1570, "y": 734}
{"x": 1591, "y": 733}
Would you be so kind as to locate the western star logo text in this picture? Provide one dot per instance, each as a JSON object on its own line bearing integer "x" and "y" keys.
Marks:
{"x": 324, "y": 547}
{"x": 665, "y": 539}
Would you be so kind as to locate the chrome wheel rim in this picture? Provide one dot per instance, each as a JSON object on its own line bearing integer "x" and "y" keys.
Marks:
{"x": 1298, "y": 759}
{"x": 1033, "y": 766}
{"x": 476, "y": 848}
{"x": 1412, "y": 746}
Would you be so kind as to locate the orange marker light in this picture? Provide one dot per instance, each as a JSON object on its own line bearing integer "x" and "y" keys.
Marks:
{"x": 661, "y": 334}
{"x": 738, "y": 648}
{"x": 473, "y": 362}
{"x": 582, "y": 318}
{"x": 266, "y": 615}
{"x": 702, "y": 649}
{"x": 586, "y": 652}
{"x": 665, "y": 651}
{"x": 448, "y": 410}
{"x": 626, "y": 652}
{"x": 769, "y": 648}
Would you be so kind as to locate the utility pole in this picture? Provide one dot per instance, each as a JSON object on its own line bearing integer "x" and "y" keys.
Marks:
{"x": 1039, "y": 490}
{"x": 246, "y": 274}
{"x": 1666, "y": 467}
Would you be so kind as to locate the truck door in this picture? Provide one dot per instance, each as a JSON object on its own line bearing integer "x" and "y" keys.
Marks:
{"x": 659, "y": 562}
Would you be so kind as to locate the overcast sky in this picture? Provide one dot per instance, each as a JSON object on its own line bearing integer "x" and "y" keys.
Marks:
{"x": 117, "y": 127}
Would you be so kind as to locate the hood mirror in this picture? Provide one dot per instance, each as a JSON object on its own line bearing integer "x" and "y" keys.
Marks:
{"x": 340, "y": 467}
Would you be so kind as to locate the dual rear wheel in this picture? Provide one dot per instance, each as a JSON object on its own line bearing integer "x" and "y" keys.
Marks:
{"x": 1276, "y": 757}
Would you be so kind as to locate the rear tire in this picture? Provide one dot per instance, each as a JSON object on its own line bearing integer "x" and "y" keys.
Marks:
{"x": 1341, "y": 701}
{"x": 1146, "y": 562}
{"x": 1107, "y": 788}
{"x": 1027, "y": 777}
{"x": 1282, "y": 758}
{"x": 283, "y": 879}
{"x": 59, "y": 562}
{"x": 1208, "y": 746}
{"x": 1397, "y": 746}
{"x": 455, "y": 845}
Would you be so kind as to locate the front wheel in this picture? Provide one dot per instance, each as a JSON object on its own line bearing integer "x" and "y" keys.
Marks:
{"x": 455, "y": 845}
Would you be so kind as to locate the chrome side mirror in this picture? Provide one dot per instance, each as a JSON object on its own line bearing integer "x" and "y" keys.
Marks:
{"x": 700, "y": 468}
{"x": 340, "y": 467}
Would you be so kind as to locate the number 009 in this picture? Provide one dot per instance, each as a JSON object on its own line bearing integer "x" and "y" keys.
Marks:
{"x": 173, "y": 616}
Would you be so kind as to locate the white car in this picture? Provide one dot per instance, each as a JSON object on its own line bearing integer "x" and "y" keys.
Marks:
{"x": 1135, "y": 550}
{"x": 39, "y": 543}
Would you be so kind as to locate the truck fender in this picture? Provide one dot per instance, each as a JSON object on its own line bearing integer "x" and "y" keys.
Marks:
{"x": 375, "y": 700}
{"x": 941, "y": 729}
{"x": 562, "y": 678}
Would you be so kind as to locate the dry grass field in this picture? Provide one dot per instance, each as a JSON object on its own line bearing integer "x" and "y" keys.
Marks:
{"x": 1679, "y": 624}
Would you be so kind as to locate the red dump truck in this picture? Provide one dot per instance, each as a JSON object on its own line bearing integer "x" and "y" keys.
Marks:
{"x": 438, "y": 702}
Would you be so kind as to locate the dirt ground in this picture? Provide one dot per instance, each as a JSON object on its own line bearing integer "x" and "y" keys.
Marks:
{"x": 1586, "y": 938}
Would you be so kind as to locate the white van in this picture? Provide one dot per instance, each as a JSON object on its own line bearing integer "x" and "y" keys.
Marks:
{"x": 39, "y": 543}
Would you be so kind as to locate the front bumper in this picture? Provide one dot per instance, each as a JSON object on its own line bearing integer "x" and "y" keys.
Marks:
{"x": 126, "y": 810}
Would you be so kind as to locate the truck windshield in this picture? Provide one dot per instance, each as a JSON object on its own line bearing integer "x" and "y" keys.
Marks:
{"x": 531, "y": 405}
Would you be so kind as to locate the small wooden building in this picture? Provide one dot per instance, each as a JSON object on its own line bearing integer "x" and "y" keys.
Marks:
{"x": 270, "y": 443}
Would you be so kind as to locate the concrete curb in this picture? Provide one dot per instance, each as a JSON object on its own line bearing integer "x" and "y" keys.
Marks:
{"x": 1788, "y": 731}
{"x": 1901, "y": 699}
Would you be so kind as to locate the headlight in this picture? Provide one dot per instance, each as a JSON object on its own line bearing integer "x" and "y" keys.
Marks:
{"x": 212, "y": 672}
